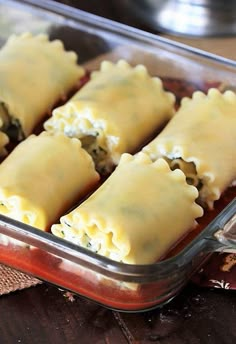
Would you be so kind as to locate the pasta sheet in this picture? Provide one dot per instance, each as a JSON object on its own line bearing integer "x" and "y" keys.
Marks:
{"x": 35, "y": 74}
{"x": 139, "y": 212}
{"x": 42, "y": 177}
{"x": 115, "y": 112}
{"x": 201, "y": 139}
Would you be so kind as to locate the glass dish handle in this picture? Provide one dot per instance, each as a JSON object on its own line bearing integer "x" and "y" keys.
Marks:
{"x": 226, "y": 232}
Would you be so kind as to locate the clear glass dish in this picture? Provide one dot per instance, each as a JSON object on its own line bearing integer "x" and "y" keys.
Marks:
{"x": 116, "y": 285}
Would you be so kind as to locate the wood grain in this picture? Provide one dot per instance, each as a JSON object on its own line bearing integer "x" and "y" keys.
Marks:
{"x": 43, "y": 314}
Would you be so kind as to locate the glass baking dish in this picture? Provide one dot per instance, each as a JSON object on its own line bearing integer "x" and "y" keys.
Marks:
{"x": 116, "y": 285}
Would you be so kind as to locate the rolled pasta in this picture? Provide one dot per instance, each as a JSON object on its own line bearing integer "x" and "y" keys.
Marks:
{"x": 42, "y": 177}
{"x": 137, "y": 215}
{"x": 35, "y": 74}
{"x": 115, "y": 112}
{"x": 200, "y": 140}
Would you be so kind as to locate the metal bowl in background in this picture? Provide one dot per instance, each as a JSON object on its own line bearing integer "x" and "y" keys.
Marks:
{"x": 185, "y": 17}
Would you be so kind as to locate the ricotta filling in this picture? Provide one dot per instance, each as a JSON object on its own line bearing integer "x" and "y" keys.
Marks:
{"x": 95, "y": 244}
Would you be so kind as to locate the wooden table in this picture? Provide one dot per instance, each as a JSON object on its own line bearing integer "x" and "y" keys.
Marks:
{"x": 43, "y": 315}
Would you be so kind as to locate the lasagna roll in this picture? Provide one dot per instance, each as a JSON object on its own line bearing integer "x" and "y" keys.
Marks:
{"x": 115, "y": 112}
{"x": 137, "y": 215}
{"x": 42, "y": 177}
{"x": 35, "y": 75}
{"x": 200, "y": 140}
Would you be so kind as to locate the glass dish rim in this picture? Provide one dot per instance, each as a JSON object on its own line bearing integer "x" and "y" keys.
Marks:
{"x": 204, "y": 241}
{"x": 119, "y": 28}
{"x": 115, "y": 269}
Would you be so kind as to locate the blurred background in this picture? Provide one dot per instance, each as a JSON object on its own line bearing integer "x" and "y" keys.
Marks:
{"x": 206, "y": 24}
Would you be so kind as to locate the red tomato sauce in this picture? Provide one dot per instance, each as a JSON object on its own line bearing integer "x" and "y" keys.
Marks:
{"x": 106, "y": 291}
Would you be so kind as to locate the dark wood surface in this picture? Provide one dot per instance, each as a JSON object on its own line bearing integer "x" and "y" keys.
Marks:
{"x": 43, "y": 314}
